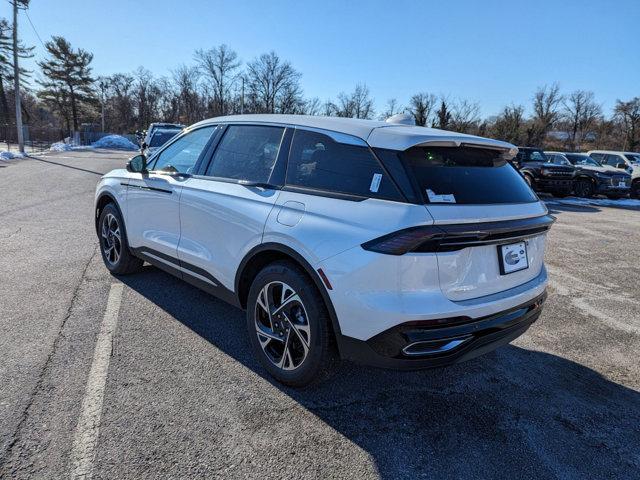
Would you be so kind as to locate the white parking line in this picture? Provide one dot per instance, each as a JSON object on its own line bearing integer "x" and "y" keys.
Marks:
{"x": 85, "y": 437}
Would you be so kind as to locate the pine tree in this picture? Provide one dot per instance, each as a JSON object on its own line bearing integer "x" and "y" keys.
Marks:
{"x": 68, "y": 81}
{"x": 6, "y": 67}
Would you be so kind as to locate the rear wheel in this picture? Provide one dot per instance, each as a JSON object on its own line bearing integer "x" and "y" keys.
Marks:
{"x": 113, "y": 243}
{"x": 288, "y": 325}
{"x": 584, "y": 188}
{"x": 635, "y": 189}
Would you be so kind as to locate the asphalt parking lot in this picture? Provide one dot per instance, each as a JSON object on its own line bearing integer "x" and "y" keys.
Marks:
{"x": 184, "y": 397}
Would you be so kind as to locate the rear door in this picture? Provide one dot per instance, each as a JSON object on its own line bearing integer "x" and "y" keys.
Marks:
{"x": 152, "y": 213}
{"x": 223, "y": 210}
{"x": 475, "y": 190}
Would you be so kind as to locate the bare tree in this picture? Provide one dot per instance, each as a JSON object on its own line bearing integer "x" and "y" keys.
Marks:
{"x": 628, "y": 114}
{"x": 510, "y": 124}
{"x": 121, "y": 101}
{"x": 581, "y": 113}
{"x": 272, "y": 84}
{"x": 465, "y": 116}
{"x": 443, "y": 115}
{"x": 313, "y": 106}
{"x": 546, "y": 108}
{"x": 357, "y": 104}
{"x": 392, "y": 109}
{"x": 421, "y": 106}
{"x": 219, "y": 66}
{"x": 190, "y": 104}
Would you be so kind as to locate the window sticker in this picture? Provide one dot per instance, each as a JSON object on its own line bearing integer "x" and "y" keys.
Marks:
{"x": 440, "y": 198}
{"x": 375, "y": 182}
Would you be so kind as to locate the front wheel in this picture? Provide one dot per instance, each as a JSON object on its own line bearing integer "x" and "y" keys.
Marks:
{"x": 584, "y": 188}
{"x": 635, "y": 190}
{"x": 113, "y": 243}
{"x": 288, "y": 325}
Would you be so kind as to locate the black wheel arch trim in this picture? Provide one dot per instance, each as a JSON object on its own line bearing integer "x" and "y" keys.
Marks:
{"x": 313, "y": 274}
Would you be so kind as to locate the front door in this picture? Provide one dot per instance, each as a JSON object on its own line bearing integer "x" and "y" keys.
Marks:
{"x": 223, "y": 212}
{"x": 153, "y": 198}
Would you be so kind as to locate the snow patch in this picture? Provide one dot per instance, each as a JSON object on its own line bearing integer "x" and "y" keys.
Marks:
{"x": 6, "y": 155}
{"x": 598, "y": 202}
{"x": 115, "y": 141}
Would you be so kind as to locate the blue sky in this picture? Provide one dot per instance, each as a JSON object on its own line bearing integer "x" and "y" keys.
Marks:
{"x": 492, "y": 52}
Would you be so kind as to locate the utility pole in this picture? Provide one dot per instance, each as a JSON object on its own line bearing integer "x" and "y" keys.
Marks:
{"x": 16, "y": 77}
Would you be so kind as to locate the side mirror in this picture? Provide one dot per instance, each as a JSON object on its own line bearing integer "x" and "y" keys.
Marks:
{"x": 621, "y": 165}
{"x": 144, "y": 145}
{"x": 137, "y": 164}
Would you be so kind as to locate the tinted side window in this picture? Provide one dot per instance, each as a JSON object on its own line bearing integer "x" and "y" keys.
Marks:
{"x": 247, "y": 152}
{"x": 613, "y": 160}
{"x": 598, "y": 156}
{"x": 317, "y": 161}
{"x": 182, "y": 155}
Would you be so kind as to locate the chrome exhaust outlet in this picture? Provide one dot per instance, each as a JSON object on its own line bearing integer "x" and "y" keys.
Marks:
{"x": 434, "y": 347}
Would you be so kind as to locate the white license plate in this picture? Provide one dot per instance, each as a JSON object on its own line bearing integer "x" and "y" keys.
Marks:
{"x": 513, "y": 257}
{"x": 622, "y": 184}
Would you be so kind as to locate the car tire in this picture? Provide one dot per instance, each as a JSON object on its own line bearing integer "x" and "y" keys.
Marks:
{"x": 529, "y": 179}
{"x": 584, "y": 188}
{"x": 289, "y": 325}
{"x": 114, "y": 246}
{"x": 635, "y": 190}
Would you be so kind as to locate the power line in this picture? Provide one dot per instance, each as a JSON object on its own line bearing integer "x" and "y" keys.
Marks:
{"x": 34, "y": 29}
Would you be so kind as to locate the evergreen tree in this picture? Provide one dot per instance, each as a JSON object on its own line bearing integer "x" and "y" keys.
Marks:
{"x": 6, "y": 67}
{"x": 68, "y": 81}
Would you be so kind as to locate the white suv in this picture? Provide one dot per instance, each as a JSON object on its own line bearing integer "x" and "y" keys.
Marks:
{"x": 404, "y": 247}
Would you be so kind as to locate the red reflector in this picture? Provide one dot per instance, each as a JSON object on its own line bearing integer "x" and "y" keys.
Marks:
{"x": 324, "y": 278}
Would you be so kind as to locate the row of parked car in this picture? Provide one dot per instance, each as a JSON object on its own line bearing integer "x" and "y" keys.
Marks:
{"x": 602, "y": 172}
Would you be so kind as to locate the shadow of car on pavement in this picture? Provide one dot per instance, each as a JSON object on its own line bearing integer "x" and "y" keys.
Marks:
{"x": 513, "y": 413}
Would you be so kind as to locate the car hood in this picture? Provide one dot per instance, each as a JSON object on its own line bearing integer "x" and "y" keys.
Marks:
{"x": 607, "y": 170}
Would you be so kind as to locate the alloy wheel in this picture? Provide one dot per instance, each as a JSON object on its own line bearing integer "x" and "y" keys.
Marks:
{"x": 111, "y": 238}
{"x": 583, "y": 188}
{"x": 282, "y": 325}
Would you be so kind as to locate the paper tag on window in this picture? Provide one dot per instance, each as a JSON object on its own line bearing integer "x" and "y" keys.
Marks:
{"x": 375, "y": 182}
{"x": 436, "y": 198}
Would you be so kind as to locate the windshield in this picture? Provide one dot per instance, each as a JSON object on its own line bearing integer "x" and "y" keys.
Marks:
{"x": 582, "y": 160}
{"x": 558, "y": 159}
{"x": 466, "y": 175}
{"x": 536, "y": 156}
{"x": 633, "y": 157}
{"x": 160, "y": 137}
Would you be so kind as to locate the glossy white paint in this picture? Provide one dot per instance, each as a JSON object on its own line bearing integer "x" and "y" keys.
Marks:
{"x": 213, "y": 224}
{"x": 331, "y": 225}
{"x": 474, "y": 272}
{"x": 374, "y": 133}
{"x": 152, "y": 212}
{"x": 372, "y": 292}
{"x": 220, "y": 223}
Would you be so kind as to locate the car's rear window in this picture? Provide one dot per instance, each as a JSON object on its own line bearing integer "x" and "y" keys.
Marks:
{"x": 465, "y": 175}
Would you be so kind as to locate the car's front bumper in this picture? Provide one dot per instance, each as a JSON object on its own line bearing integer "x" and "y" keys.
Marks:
{"x": 420, "y": 345}
{"x": 554, "y": 184}
{"x": 611, "y": 190}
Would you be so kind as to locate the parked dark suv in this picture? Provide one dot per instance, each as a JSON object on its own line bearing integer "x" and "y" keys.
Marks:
{"x": 593, "y": 178}
{"x": 542, "y": 175}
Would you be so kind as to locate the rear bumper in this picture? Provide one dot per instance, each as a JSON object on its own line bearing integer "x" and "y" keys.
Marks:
{"x": 440, "y": 342}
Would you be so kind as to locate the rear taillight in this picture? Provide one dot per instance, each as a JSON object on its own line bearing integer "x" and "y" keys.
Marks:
{"x": 451, "y": 237}
{"x": 403, "y": 241}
